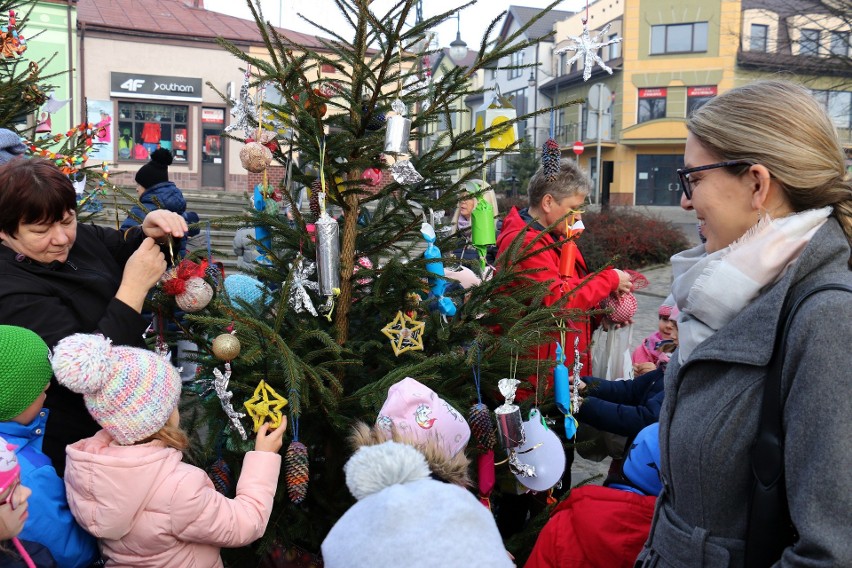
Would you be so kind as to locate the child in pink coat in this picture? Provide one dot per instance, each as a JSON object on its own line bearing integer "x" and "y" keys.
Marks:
{"x": 648, "y": 355}
{"x": 128, "y": 486}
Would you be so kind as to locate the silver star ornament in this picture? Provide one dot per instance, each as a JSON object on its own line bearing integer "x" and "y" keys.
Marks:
{"x": 587, "y": 47}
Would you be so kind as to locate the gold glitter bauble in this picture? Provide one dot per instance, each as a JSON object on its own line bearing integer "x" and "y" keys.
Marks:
{"x": 226, "y": 347}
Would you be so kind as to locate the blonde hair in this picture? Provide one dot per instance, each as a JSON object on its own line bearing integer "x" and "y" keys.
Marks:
{"x": 473, "y": 187}
{"x": 781, "y": 126}
{"x": 570, "y": 180}
{"x": 171, "y": 436}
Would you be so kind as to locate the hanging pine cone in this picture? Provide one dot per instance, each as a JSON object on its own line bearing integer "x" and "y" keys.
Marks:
{"x": 296, "y": 468}
{"x": 223, "y": 480}
{"x": 214, "y": 273}
{"x": 316, "y": 188}
{"x": 482, "y": 427}
{"x": 550, "y": 156}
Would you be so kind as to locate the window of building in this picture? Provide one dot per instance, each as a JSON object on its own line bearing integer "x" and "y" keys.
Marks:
{"x": 494, "y": 74}
{"x": 614, "y": 48}
{"x": 144, "y": 127}
{"x": 840, "y": 44}
{"x": 757, "y": 41}
{"x": 809, "y": 43}
{"x": 679, "y": 38}
{"x": 563, "y": 64}
{"x": 517, "y": 59}
{"x": 652, "y": 104}
{"x": 697, "y": 96}
{"x": 838, "y": 104}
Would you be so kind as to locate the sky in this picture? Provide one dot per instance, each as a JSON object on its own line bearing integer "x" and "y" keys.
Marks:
{"x": 474, "y": 19}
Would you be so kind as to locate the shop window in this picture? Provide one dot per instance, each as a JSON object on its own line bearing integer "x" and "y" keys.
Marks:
{"x": 757, "y": 38}
{"x": 809, "y": 43}
{"x": 679, "y": 38}
{"x": 144, "y": 127}
{"x": 697, "y": 96}
{"x": 652, "y": 104}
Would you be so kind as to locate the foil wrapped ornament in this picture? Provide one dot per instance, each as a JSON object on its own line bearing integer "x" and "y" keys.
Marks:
{"x": 296, "y": 471}
{"x": 226, "y": 347}
{"x": 301, "y": 270}
{"x": 509, "y": 421}
{"x": 244, "y": 110}
{"x": 220, "y": 386}
{"x": 398, "y": 129}
{"x": 255, "y": 157}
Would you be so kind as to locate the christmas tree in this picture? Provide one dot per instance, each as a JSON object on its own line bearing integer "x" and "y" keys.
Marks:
{"x": 317, "y": 339}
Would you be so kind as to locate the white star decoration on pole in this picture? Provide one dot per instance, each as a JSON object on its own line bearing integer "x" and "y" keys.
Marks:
{"x": 587, "y": 48}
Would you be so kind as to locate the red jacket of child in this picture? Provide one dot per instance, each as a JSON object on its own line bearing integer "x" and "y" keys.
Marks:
{"x": 585, "y": 297}
{"x": 595, "y": 527}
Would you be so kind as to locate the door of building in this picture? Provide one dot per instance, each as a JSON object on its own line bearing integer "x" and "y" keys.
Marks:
{"x": 656, "y": 179}
{"x": 212, "y": 147}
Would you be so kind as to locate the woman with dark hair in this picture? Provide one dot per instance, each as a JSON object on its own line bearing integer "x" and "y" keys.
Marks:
{"x": 59, "y": 277}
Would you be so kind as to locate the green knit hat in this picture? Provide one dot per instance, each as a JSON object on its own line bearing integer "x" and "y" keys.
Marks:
{"x": 24, "y": 369}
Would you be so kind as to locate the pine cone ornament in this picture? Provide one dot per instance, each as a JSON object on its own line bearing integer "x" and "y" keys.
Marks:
{"x": 376, "y": 121}
{"x": 482, "y": 428}
{"x": 214, "y": 274}
{"x": 316, "y": 188}
{"x": 550, "y": 156}
{"x": 221, "y": 476}
{"x": 296, "y": 471}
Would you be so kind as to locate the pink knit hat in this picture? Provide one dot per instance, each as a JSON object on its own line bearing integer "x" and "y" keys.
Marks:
{"x": 130, "y": 392}
{"x": 665, "y": 311}
{"x": 420, "y": 415}
{"x": 10, "y": 470}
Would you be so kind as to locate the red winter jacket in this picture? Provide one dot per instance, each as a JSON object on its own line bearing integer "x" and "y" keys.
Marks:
{"x": 595, "y": 527}
{"x": 587, "y": 297}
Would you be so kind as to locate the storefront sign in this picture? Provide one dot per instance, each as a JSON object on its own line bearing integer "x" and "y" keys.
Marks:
{"x": 155, "y": 87}
{"x": 657, "y": 93}
{"x": 213, "y": 115}
{"x": 701, "y": 91}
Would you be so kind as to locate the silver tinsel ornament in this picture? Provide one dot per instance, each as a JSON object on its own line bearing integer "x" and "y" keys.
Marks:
{"x": 328, "y": 251}
{"x": 299, "y": 300}
{"x": 244, "y": 111}
{"x": 220, "y": 385}
{"x": 588, "y": 48}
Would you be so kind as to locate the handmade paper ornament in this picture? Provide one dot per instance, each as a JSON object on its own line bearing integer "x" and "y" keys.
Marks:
{"x": 398, "y": 129}
{"x": 543, "y": 451}
{"x": 296, "y": 471}
{"x": 437, "y": 282}
{"x": 562, "y": 392}
{"x": 551, "y": 155}
{"x": 244, "y": 110}
{"x": 226, "y": 347}
{"x": 483, "y": 230}
{"x": 265, "y": 404}
{"x": 588, "y": 48}
{"x": 220, "y": 386}
{"x": 255, "y": 157}
{"x": 301, "y": 270}
{"x": 497, "y": 113}
{"x": 328, "y": 251}
{"x": 568, "y": 252}
{"x": 405, "y": 333}
{"x": 510, "y": 427}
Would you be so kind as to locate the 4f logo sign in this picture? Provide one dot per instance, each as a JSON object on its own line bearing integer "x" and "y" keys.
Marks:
{"x": 132, "y": 84}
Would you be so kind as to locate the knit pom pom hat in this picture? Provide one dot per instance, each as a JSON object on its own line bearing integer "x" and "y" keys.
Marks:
{"x": 10, "y": 469}
{"x": 130, "y": 392}
{"x": 24, "y": 370}
{"x": 157, "y": 170}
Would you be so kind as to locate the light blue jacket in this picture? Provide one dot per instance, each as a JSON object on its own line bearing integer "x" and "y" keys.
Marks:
{"x": 50, "y": 522}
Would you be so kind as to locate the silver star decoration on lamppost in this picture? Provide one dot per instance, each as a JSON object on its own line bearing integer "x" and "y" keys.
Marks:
{"x": 299, "y": 299}
{"x": 587, "y": 48}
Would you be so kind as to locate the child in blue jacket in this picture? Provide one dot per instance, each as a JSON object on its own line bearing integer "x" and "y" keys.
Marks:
{"x": 24, "y": 378}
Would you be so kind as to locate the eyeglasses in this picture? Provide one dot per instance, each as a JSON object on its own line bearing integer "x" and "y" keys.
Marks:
{"x": 12, "y": 498}
{"x": 684, "y": 173}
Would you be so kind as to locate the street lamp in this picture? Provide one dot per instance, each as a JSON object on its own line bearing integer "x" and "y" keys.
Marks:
{"x": 458, "y": 48}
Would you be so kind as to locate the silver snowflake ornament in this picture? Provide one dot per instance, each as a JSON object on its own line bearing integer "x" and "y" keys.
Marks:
{"x": 220, "y": 385}
{"x": 587, "y": 47}
{"x": 299, "y": 299}
{"x": 244, "y": 111}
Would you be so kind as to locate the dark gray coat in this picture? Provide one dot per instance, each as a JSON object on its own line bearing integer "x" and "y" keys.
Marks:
{"x": 710, "y": 415}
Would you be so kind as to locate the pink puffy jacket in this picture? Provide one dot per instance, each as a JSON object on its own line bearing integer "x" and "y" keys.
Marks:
{"x": 149, "y": 509}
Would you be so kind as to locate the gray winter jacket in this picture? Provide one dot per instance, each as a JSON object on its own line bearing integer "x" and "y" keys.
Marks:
{"x": 710, "y": 415}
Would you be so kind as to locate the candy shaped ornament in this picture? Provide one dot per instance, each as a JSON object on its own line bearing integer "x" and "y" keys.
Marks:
{"x": 397, "y": 133}
{"x": 328, "y": 251}
{"x": 543, "y": 451}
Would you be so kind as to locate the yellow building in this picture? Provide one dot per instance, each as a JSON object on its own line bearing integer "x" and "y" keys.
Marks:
{"x": 672, "y": 60}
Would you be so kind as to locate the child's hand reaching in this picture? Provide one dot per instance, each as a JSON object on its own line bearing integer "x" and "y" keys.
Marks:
{"x": 270, "y": 441}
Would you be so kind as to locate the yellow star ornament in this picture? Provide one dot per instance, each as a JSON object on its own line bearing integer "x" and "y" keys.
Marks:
{"x": 265, "y": 403}
{"x": 405, "y": 333}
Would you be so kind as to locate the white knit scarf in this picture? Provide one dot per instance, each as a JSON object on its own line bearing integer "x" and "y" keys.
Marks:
{"x": 710, "y": 289}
